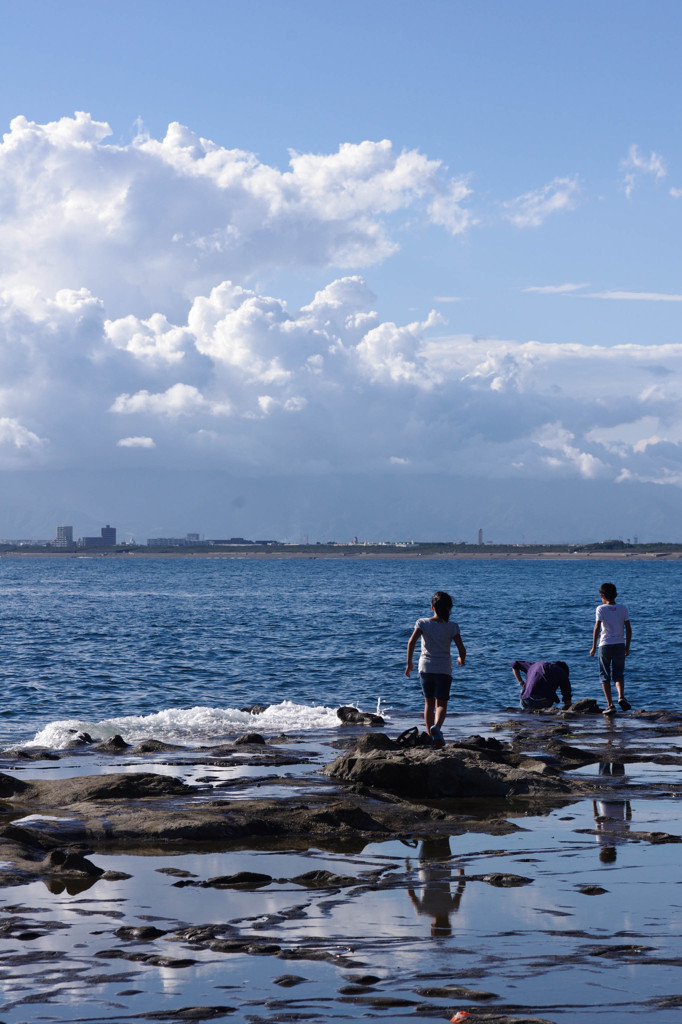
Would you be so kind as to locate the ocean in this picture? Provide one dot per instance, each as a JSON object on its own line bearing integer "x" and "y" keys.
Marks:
{"x": 175, "y": 648}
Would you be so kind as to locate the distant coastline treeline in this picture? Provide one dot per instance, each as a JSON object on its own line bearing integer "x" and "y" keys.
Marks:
{"x": 412, "y": 549}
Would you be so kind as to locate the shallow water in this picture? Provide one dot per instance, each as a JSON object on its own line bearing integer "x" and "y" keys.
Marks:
{"x": 544, "y": 948}
{"x": 174, "y": 649}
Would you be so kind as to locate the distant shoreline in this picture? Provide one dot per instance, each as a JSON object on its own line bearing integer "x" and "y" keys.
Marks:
{"x": 274, "y": 554}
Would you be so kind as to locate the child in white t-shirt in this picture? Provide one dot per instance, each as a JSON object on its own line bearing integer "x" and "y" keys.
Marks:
{"x": 435, "y": 662}
{"x": 613, "y": 631}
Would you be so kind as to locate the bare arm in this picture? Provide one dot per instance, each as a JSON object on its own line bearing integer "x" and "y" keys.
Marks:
{"x": 628, "y": 636}
{"x": 565, "y": 687}
{"x": 595, "y": 637}
{"x": 411, "y": 644}
{"x": 461, "y": 648}
{"x": 517, "y": 676}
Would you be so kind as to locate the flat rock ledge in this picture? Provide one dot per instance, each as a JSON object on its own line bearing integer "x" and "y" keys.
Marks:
{"x": 477, "y": 768}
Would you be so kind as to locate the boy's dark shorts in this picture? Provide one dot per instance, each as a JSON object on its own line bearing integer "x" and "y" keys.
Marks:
{"x": 612, "y": 663}
{"x": 435, "y": 685}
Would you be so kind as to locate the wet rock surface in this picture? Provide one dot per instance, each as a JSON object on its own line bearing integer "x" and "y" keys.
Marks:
{"x": 477, "y": 904}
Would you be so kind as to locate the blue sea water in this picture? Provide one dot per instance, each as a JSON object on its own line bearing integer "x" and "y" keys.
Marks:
{"x": 175, "y": 647}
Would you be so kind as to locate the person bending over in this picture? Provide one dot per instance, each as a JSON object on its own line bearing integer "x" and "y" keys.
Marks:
{"x": 543, "y": 679}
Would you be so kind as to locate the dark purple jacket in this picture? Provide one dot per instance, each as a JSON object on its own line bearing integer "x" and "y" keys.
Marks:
{"x": 543, "y": 679}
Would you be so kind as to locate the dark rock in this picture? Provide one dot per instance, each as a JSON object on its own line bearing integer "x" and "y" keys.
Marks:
{"x": 455, "y": 771}
{"x": 10, "y": 786}
{"x": 352, "y": 716}
{"x": 592, "y": 890}
{"x": 662, "y": 837}
{"x": 249, "y": 737}
{"x": 152, "y": 746}
{"x": 587, "y": 706}
{"x": 30, "y": 754}
{"x": 288, "y": 980}
{"x": 377, "y": 741}
{"x": 116, "y": 787}
{"x": 254, "y": 709}
{"x": 387, "y": 1002}
{"x": 112, "y": 745}
{"x": 199, "y": 934}
{"x": 145, "y": 933}
{"x": 617, "y": 951}
{"x": 569, "y": 753}
{"x": 115, "y": 876}
{"x": 79, "y": 739}
{"x": 505, "y": 881}
{"x": 324, "y": 880}
{"x": 484, "y": 743}
{"x": 240, "y": 880}
{"x": 455, "y": 992}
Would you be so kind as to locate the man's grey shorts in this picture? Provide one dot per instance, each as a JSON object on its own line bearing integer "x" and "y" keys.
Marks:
{"x": 612, "y": 663}
{"x": 436, "y": 685}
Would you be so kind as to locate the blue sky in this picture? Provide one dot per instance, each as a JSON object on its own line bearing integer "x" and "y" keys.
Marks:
{"x": 486, "y": 196}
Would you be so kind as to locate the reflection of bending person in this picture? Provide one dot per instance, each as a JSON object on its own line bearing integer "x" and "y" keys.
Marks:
{"x": 612, "y": 815}
{"x": 543, "y": 679}
{"x": 435, "y": 897}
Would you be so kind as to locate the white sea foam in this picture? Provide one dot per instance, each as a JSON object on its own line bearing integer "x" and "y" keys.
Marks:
{"x": 191, "y": 726}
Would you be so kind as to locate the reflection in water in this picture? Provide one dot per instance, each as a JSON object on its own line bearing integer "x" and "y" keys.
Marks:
{"x": 436, "y": 899}
{"x": 72, "y": 885}
{"x": 612, "y": 814}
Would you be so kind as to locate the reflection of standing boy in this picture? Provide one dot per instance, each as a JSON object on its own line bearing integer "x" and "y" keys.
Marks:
{"x": 613, "y": 631}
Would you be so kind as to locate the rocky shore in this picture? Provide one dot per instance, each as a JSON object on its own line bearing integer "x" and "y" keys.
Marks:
{"x": 250, "y": 806}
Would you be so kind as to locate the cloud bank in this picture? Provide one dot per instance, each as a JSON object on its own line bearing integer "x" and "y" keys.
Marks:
{"x": 133, "y": 333}
{"x": 246, "y": 382}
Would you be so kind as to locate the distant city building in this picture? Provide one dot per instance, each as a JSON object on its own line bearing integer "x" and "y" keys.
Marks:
{"x": 64, "y": 537}
{"x": 480, "y": 538}
{"x": 108, "y": 536}
{"x": 106, "y": 539}
{"x": 190, "y": 540}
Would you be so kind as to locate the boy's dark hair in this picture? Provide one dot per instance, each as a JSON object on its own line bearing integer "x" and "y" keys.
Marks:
{"x": 609, "y": 591}
{"x": 564, "y": 666}
{"x": 442, "y": 605}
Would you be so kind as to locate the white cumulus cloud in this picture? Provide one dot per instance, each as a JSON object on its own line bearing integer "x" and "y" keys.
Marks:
{"x": 177, "y": 215}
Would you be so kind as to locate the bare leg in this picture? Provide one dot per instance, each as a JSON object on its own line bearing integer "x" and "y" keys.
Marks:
{"x": 429, "y": 713}
{"x": 606, "y": 687}
{"x": 441, "y": 711}
{"x": 620, "y": 687}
